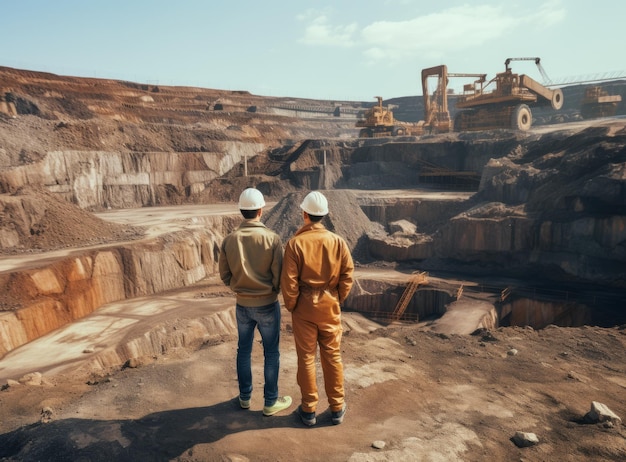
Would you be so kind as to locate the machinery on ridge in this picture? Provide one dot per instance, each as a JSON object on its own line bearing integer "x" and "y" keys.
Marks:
{"x": 436, "y": 112}
{"x": 506, "y": 106}
{"x": 598, "y": 103}
{"x": 379, "y": 121}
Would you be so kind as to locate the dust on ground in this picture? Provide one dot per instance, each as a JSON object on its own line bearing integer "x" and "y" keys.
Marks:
{"x": 424, "y": 395}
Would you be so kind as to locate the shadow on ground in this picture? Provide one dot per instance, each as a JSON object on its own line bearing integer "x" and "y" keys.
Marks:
{"x": 156, "y": 437}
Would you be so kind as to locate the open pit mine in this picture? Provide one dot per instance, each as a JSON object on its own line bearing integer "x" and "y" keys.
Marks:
{"x": 115, "y": 197}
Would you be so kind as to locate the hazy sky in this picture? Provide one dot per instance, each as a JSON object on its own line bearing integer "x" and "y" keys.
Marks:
{"x": 341, "y": 49}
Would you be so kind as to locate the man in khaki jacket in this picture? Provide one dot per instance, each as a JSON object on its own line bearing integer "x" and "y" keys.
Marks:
{"x": 316, "y": 278}
{"x": 250, "y": 264}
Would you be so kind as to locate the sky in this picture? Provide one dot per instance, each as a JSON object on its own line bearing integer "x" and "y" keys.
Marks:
{"x": 350, "y": 50}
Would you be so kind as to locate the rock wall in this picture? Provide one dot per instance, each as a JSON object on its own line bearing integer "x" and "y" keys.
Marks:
{"x": 59, "y": 292}
{"x": 405, "y": 160}
{"x": 192, "y": 333}
{"x": 480, "y": 238}
{"x": 427, "y": 214}
{"x": 547, "y": 206}
{"x": 587, "y": 248}
{"x": 96, "y": 180}
{"x": 541, "y": 313}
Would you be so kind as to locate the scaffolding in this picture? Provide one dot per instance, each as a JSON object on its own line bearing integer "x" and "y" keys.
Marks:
{"x": 415, "y": 281}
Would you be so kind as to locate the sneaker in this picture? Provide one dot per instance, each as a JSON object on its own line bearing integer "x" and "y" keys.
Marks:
{"x": 337, "y": 416}
{"x": 244, "y": 403}
{"x": 308, "y": 418}
{"x": 282, "y": 402}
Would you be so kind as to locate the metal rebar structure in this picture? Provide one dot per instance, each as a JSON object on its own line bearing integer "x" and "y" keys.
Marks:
{"x": 414, "y": 282}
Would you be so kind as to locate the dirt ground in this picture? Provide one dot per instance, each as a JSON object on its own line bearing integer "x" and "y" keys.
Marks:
{"x": 415, "y": 392}
{"x": 426, "y": 396}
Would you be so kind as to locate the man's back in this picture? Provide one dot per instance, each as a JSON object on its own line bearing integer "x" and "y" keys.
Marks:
{"x": 316, "y": 258}
{"x": 250, "y": 263}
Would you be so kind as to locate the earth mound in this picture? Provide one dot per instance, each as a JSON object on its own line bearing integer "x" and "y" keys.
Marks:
{"x": 345, "y": 218}
{"x": 37, "y": 220}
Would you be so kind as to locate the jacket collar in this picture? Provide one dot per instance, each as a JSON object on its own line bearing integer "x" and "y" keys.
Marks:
{"x": 310, "y": 227}
{"x": 252, "y": 224}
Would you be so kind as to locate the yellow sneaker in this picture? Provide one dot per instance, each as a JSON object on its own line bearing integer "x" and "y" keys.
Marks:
{"x": 244, "y": 403}
{"x": 282, "y": 403}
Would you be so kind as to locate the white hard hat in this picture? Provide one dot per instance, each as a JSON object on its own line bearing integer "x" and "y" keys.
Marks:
{"x": 315, "y": 204}
{"x": 251, "y": 199}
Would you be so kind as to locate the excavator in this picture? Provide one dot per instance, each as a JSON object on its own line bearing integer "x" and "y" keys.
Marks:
{"x": 508, "y": 105}
{"x": 436, "y": 113}
{"x": 378, "y": 121}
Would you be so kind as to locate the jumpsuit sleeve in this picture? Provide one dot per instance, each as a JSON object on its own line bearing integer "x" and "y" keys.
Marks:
{"x": 289, "y": 279}
{"x": 224, "y": 268}
{"x": 345, "y": 274}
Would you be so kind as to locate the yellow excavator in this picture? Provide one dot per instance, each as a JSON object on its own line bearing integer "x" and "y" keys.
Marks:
{"x": 378, "y": 121}
{"x": 436, "y": 113}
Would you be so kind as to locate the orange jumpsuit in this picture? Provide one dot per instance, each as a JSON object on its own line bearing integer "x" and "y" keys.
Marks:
{"x": 316, "y": 278}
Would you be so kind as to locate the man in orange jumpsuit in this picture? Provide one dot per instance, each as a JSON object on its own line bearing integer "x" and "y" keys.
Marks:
{"x": 316, "y": 278}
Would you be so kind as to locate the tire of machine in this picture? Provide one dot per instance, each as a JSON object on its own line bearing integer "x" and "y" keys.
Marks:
{"x": 398, "y": 131}
{"x": 522, "y": 118}
{"x": 557, "y": 99}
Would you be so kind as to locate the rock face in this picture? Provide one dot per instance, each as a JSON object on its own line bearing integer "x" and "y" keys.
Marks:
{"x": 554, "y": 203}
{"x": 52, "y": 295}
{"x": 96, "y": 180}
{"x": 571, "y": 190}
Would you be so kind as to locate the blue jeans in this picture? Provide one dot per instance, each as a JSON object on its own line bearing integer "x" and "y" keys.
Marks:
{"x": 267, "y": 320}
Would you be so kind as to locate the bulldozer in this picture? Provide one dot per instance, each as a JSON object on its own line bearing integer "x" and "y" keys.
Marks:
{"x": 378, "y": 121}
{"x": 598, "y": 103}
{"x": 506, "y": 106}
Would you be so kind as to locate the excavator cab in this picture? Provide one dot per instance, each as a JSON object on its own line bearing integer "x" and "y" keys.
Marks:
{"x": 378, "y": 121}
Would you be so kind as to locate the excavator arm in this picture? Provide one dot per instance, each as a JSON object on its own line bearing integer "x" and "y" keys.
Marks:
{"x": 547, "y": 95}
{"x": 537, "y": 61}
{"x": 436, "y": 113}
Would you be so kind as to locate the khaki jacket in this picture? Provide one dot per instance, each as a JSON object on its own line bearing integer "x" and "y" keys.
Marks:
{"x": 250, "y": 262}
{"x": 317, "y": 271}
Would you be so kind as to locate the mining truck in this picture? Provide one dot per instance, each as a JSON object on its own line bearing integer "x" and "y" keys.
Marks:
{"x": 598, "y": 103}
{"x": 379, "y": 121}
{"x": 508, "y": 105}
